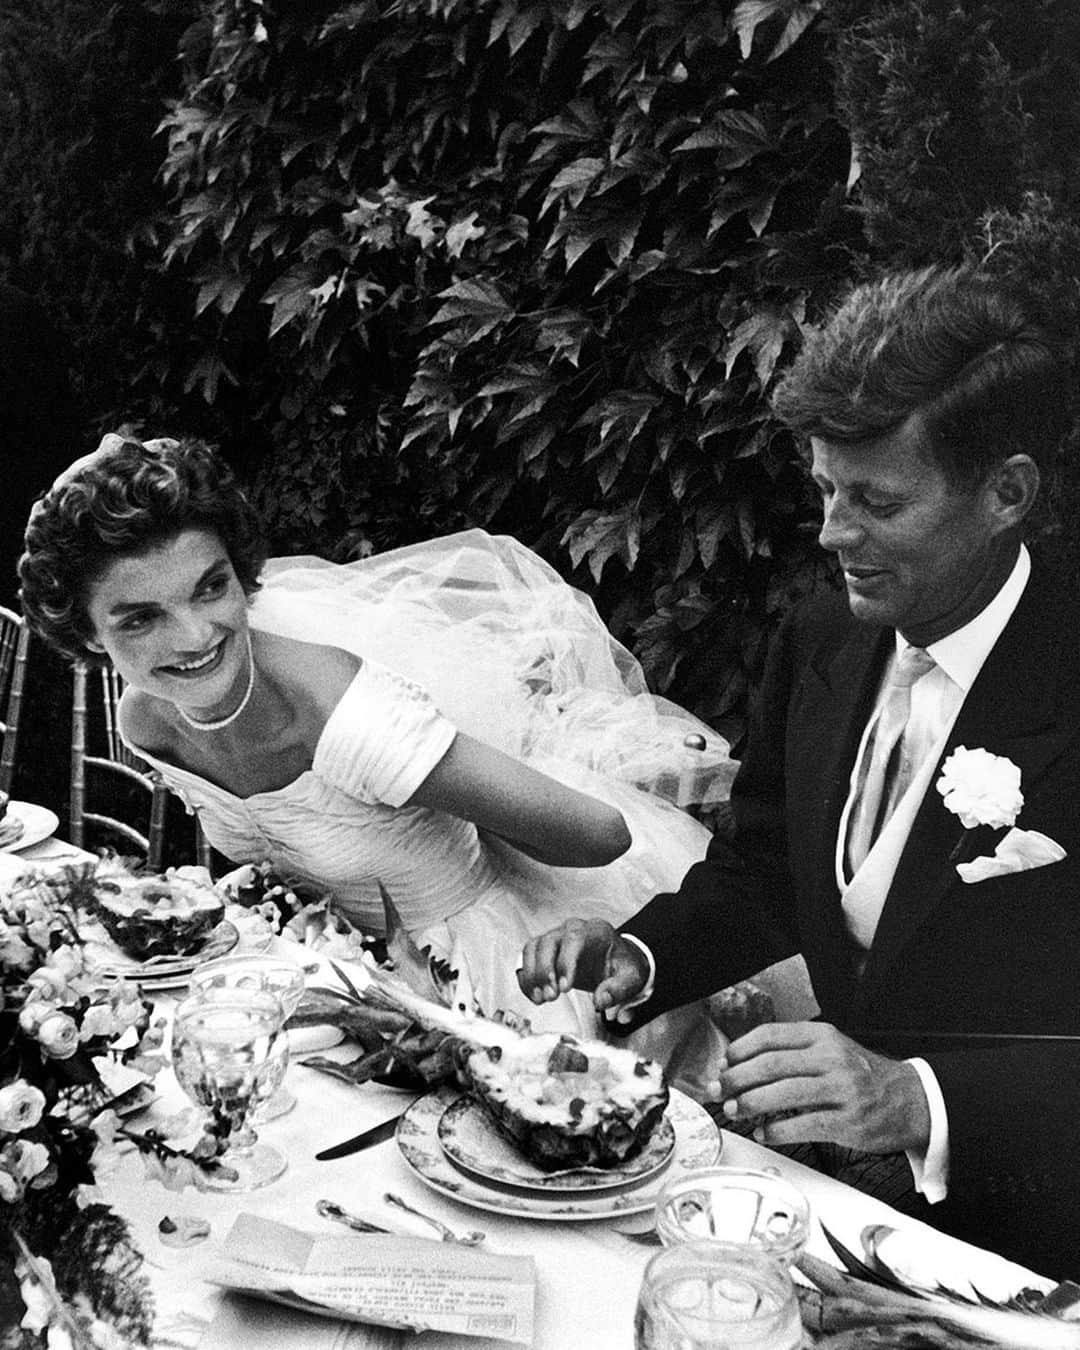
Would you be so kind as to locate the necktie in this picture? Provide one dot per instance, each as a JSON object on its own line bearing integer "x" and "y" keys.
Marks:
{"x": 887, "y": 768}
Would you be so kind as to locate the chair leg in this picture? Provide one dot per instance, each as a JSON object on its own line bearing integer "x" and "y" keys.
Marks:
{"x": 155, "y": 853}
{"x": 14, "y": 708}
{"x": 203, "y": 852}
{"x": 77, "y": 796}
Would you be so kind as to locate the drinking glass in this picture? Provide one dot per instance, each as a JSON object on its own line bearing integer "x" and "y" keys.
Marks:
{"x": 735, "y": 1204}
{"x": 276, "y": 975}
{"x": 226, "y": 1049}
{"x": 716, "y": 1296}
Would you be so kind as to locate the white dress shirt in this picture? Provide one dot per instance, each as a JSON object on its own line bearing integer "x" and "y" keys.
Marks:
{"x": 936, "y": 700}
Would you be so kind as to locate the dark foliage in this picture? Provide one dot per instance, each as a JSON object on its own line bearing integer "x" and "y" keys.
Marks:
{"x": 531, "y": 267}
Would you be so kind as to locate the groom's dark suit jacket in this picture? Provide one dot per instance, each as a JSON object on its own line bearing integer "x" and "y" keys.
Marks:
{"x": 1002, "y": 955}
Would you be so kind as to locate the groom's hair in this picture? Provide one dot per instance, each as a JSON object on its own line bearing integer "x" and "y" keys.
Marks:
{"x": 965, "y": 353}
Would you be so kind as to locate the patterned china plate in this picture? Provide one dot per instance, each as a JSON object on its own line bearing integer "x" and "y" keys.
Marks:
{"x": 159, "y": 972}
{"x": 697, "y": 1144}
{"x": 471, "y": 1141}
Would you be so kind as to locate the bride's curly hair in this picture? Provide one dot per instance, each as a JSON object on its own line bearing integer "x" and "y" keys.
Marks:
{"x": 125, "y": 498}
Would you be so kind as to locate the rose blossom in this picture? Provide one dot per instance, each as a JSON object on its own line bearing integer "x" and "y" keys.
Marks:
{"x": 981, "y": 788}
{"x": 21, "y": 1106}
{"x": 47, "y": 983}
{"x": 34, "y": 1012}
{"x": 25, "y": 1159}
{"x": 58, "y": 1036}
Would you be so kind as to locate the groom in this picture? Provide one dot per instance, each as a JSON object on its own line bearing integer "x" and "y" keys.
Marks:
{"x": 936, "y": 951}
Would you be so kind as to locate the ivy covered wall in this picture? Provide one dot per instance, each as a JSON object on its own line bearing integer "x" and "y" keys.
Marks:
{"x": 531, "y": 265}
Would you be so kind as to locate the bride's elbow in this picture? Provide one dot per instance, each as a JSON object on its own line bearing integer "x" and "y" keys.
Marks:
{"x": 608, "y": 840}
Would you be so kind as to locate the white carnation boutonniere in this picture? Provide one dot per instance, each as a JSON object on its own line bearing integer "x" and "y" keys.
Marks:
{"x": 981, "y": 788}
{"x": 984, "y": 789}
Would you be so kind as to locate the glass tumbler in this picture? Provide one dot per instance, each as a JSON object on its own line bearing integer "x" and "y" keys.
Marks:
{"x": 735, "y": 1204}
{"x": 716, "y": 1296}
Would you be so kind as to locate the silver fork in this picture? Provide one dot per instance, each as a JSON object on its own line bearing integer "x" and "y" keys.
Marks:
{"x": 469, "y": 1239}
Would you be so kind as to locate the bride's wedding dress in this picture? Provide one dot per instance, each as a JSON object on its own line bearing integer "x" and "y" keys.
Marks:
{"x": 475, "y": 632}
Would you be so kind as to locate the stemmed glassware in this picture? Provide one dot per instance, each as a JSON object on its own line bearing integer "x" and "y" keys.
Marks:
{"x": 277, "y": 975}
{"x": 228, "y": 1052}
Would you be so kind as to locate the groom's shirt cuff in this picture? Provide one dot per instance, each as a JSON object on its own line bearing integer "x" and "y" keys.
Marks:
{"x": 621, "y": 1011}
{"x": 930, "y": 1169}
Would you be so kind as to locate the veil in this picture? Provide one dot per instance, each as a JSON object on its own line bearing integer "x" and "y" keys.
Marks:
{"x": 508, "y": 651}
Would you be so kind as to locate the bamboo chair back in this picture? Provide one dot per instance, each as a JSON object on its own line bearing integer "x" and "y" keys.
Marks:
{"x": 102, "y": 764}
{"x": 14, "y": 647}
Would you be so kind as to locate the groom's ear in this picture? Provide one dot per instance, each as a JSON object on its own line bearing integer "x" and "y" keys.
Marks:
{"x": 1013, "y": 487}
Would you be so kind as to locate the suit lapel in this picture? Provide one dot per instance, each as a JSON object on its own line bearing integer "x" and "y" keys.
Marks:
{"x": 835, "y": 702}
{"x": 1009, "y": 711}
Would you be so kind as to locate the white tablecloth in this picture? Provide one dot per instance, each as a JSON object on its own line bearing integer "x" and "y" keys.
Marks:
{"x": 588, "y": 1272}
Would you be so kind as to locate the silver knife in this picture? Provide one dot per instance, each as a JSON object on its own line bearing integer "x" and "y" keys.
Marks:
{"x": 359, "y": 1142}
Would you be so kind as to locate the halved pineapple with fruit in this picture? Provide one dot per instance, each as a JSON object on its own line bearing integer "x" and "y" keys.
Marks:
{"x": 563, "y": 1102}
{"x": 568, "y": 1103}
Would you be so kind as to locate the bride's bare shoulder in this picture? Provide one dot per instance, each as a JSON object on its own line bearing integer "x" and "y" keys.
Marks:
{"x": 321, "y": 672}
{"x": 144, "y": 722}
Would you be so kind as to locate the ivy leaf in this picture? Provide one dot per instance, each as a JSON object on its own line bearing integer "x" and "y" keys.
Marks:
{"x": 600, "y": 536}
{"x": 572, "y": 183}
{"x": 741, "y": 136}
{"x": 205, "y": 375}
{"x": 764, "y": 333}
{"x": 221, "y": 286}
{"x": 624, "y": 408}
{"x": 462, "y": 232}
{"x": 801, "y": 18}
{"x": 290, "y": 296}
{"x": 421, "y": 224}
{"x": 579, "y": 123}
{"x": 562, "y": 331}
{"x": 479, "y": 303}
{"x": 749, "y": 14}
{"x": 616, "y": 230}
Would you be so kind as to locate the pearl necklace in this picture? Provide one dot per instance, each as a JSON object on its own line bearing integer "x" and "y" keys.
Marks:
{"x": 218, "y": 723}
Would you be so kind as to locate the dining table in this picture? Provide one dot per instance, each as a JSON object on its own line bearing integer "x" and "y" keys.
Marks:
{"x": 588, "y": 1270}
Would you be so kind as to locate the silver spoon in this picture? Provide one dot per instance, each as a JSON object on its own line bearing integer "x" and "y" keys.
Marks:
{"x": 470, "y": 1239}
{"x": 329, "y": 1210}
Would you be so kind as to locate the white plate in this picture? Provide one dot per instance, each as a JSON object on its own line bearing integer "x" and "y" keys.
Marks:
{"x": 38, "y": 823}
{"x": 697, "y": 1144}
{"x": 471, "y": 1141}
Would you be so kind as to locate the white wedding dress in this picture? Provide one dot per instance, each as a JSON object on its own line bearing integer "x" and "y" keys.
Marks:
{"x": 477, "y": 633}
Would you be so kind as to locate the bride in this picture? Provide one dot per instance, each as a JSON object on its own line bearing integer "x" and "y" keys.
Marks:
{"x": 451, "y": 719}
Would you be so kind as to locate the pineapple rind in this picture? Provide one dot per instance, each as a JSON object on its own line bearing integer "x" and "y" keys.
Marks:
{"x": 600, "y": 1128}
{"x": 494, "y": 1058}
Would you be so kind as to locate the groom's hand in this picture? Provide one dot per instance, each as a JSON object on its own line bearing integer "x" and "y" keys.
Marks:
{"x": 583, "y": 954}
{"x": 808, "y": 1081}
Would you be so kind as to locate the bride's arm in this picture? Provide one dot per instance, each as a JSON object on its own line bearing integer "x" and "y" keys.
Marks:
{"x": 550, "y": 822}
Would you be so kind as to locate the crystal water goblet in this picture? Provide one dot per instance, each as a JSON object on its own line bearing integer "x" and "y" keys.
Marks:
{"x": 278, "y": 975}
{"x": 716, "y": 1296}
{"x": 225, "y": 1046}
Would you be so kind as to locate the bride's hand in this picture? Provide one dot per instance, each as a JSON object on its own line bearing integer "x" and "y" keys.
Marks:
{"x": 583, "y": 954}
